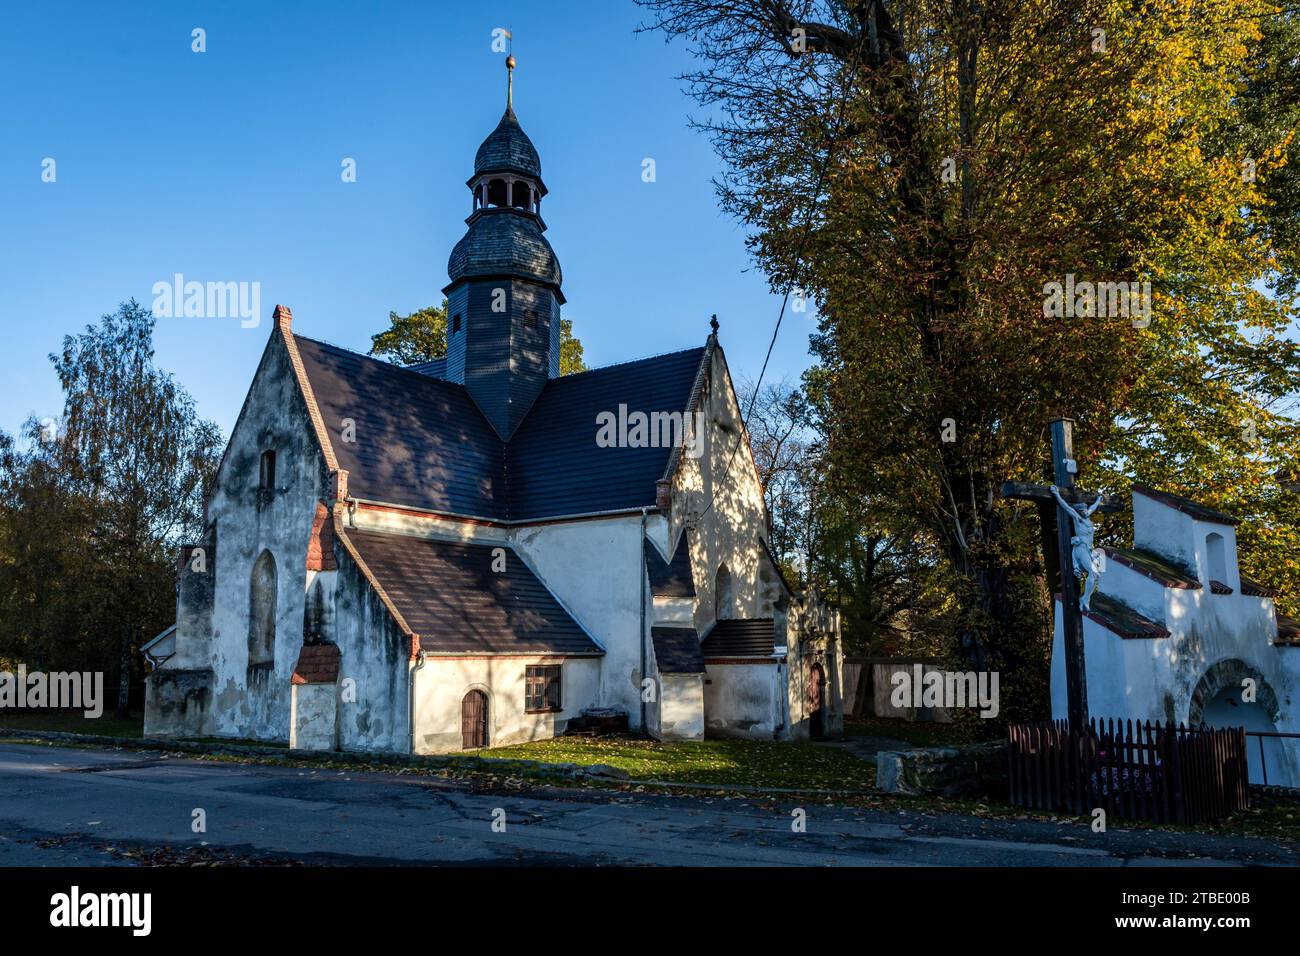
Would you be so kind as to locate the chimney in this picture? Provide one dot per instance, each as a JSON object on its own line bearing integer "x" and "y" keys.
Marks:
{"x": 283, "y": 318}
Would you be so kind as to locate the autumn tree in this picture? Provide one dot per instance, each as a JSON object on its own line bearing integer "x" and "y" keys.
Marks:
{"x": 877, "y": 565}
{"x": 97, "y": 502}
{"x": 925, "y": 171}
{"x": 422, "y": 337}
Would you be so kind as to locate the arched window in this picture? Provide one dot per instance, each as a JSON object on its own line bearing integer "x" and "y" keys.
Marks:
{"x": 315, "y": 626}
{"x": 722, "y": 601}
{"x": 498, "y": 193}
{"x": 1216, "y": 555}
{"x": 261, "y": 611}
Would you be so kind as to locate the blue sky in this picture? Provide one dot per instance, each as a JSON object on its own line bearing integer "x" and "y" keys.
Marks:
{"x": 225, "y": 166}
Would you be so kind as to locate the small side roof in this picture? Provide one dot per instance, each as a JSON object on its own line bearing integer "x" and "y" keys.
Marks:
{"x": 670, "y": 578}
{"x": 1154, "y": 567}
{"x": 449, "y": 593}
{"x": 740, "y": 637}
{"x": 677, "y": 650}
{"x": 1121, "y": 619}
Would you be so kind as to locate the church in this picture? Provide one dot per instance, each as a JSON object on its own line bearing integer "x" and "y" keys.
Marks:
{"x": 470, "y": 553}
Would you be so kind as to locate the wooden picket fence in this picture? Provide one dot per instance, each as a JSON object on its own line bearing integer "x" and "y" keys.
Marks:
{"x": 1142, "y": 771}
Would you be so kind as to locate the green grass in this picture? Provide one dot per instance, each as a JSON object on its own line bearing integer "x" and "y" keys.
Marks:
{"x": 73, "y": 722}
{"x": 919, "y": 733}
{"x": 756, "y": 763}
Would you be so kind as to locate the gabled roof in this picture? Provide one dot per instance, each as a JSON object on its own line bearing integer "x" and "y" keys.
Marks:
{"x": 670, "y": 578}
{"x": 677, "y": 650}
{"x": 1186, "y": 506}
{"x": 555, "y": 466}
{"x": 423, "y": 443}
{"x": 740, "y": 637}
{"x": 420, "y": 441}
{"x": 448, "y": 593}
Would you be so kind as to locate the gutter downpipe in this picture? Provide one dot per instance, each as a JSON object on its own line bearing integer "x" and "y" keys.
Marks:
{"x": 644, "y": 728}
{"x": 410, "y": 710}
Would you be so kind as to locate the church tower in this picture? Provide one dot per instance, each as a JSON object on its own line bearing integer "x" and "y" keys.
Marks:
{"x": 503, "y": 303}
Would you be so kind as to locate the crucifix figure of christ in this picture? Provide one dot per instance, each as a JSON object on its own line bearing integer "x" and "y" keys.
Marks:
{"x": 1070, "y": 554}
{"x": 1081, "y": 542}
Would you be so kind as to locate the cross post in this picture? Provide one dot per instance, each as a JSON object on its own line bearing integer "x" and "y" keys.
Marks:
{"x": 1059, "y": 559}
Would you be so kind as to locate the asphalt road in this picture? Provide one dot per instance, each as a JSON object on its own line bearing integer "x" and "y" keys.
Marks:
{"x": 64, "y": 807}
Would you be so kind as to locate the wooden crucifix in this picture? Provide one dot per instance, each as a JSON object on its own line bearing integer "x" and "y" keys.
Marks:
{"x": 1059, "y": 555}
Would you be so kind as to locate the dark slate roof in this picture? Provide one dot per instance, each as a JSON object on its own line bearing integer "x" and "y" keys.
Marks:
{"x": 504, "y": 242}
{"x": 434, "y": 368}
{"x": 508, "y": 149}
{"x": 554, "y": 463}
{"x": 672, "y": 578}
{"x": 1186, "y": 506}
{"x": 1154, "y": 567}
{"x": 736, "y": 637}
{"x": 449, "y": 595}
{"x": 420, "y": 441}
{"x": 677, "y": 650}
{"x": 1121, "y": 619}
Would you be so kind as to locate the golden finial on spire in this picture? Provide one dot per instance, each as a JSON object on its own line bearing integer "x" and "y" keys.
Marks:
{"x": 510, "y": 81}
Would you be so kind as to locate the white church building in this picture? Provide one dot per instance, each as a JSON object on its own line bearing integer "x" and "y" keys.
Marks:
{"x": 466, "y": 554}
{"x": 1175, "y": 633}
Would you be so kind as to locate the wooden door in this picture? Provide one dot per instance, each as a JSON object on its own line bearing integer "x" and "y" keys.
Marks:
{"x": 816, "y": 681}
{"x": 474, "y": 720}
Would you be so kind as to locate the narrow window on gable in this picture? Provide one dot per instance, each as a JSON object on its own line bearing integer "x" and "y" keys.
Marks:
{"x": 542, "y": 688}
{"x": 266, "y": 474}
{"x": 261, "y": 611}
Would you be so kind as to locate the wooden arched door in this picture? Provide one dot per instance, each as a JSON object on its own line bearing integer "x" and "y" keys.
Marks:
{"x": 816, "y": 682}
{"x": 474, "y": 720}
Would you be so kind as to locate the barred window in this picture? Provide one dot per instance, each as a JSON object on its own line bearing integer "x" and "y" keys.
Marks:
{"x": 542, "y": 688}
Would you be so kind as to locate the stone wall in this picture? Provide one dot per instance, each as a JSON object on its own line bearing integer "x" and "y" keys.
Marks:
{"x": 971, "y": 770}
{"x": 178, "y": 702}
